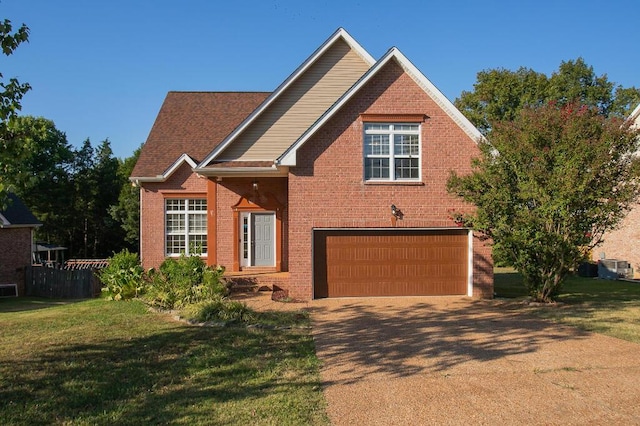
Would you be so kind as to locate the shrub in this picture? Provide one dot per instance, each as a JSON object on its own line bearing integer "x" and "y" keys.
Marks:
{"x": 220, "y": 309}
{"x": 184, "y": 281}
{"x": 123, "y": 278}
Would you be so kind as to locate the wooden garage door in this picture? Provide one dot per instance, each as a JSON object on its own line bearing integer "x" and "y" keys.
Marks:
{"x": 390, "y": 262}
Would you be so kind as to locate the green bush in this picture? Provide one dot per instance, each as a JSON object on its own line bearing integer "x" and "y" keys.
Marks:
{"x": 220, "y": 309}
{"x": 124, "y": 277}
{"x": 184, "y": 281}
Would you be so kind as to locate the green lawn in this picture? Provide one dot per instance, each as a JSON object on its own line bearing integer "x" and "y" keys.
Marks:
{"x": 98, "y": 362}
{"x": 602, "y": 306}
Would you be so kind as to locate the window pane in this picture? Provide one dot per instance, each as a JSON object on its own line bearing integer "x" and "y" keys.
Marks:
{"x": 407, "y": 127}
{"x": 376, "y": 168}
{"x": 197, "y": 223}
{"x": 174, "y": 205}
{"x": 406, "y": 168}
{"x": 376, "y": 144}
{"x": 175, "y": 222}
{"x": 406, "y": 145}
{"x": 198, "y": 205}
{"x": 376, "y": 126}
{"x": 176, "y": 244}
{"x": 198, "y": 244}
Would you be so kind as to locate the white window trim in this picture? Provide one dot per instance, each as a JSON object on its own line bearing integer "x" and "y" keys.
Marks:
{"x": 185, "y": 213}
{"x": 392, "y": 157}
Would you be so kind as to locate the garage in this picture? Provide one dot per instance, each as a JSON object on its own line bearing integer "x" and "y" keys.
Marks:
{"x": 390, "y": 262}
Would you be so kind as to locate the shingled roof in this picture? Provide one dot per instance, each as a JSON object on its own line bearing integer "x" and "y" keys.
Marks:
{"x": 193, "y": 123}
{"x": 17, "y": 214}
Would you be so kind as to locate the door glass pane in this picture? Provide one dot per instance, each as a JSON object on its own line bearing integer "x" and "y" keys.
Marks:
{"x": 245, "y": 237}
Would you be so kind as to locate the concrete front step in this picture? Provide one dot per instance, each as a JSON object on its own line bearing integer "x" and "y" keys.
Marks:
{"x": 248, "y": 283}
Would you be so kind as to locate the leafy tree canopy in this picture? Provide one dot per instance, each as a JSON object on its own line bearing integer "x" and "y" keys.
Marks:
{"x": 11, "y": 94}
{"x": 500, "y": 94}
{"x": 96, "y": 186}
{"x": 547, "y": 187}
{"x": 39, "y": 172}
{"x": 127, "y": 211}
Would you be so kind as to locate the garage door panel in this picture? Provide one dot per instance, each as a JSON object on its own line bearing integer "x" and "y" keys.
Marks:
{"x": 390, "y": 262}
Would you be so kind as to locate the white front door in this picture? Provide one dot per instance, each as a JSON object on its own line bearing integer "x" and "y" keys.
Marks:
{"x": 258, "y": 245}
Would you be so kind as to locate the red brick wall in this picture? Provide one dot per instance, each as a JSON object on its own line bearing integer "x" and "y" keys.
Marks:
{"x": 15, "y": 255}
{"x": 229, "y": 192}
{"x": 624, "y": 242}
{"x": 326, "y": 189}
{"x": 152, "y": 216}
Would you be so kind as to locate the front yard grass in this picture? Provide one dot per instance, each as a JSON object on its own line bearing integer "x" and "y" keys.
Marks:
{"x": 98, "y": 362}
{"x": 601, "y": 306}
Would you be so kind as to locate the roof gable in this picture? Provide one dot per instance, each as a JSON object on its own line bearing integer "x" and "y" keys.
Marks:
{"x": 17, "y": 214}
{"x": 183, "y": 159}
{"x": 635, "y": 116}
{"x": 320, "y": 98}
{"x": 191, "y": 123}
{"x": 289, "y": 156}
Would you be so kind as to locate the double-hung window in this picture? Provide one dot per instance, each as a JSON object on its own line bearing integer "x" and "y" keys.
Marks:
{"x": 185, "y": 226}
{"x": 391, "y": 151}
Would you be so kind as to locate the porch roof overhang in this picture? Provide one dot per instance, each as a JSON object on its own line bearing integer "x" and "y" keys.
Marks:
{"x": 243, "y": 171}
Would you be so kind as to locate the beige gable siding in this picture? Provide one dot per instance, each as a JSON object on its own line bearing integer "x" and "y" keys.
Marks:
{"x": 299, "y": 106}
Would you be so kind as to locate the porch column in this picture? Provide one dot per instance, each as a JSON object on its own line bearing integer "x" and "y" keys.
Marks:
{"x": 212, "y": 222}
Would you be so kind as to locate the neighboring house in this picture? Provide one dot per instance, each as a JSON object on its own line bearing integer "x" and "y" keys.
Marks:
{"x": 623, "y": 243}
{"x": 17, "y": 225}
{"x": 332, "y": 185}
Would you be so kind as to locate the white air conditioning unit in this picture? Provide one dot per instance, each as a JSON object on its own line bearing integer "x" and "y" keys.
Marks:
{"x": 613, "y": 269}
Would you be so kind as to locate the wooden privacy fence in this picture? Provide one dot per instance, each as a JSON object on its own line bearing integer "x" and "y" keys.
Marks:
{"x": 42, "y": 281}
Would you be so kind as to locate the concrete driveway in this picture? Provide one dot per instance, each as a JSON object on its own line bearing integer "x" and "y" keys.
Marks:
{"x": 407, "y": 361}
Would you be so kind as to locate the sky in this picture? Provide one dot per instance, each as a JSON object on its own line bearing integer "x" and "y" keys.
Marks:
{"x": 102, "y": 68}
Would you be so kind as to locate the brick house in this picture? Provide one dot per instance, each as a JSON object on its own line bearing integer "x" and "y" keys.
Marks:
{"x": 332, "y": 185}
{"x": 623, "y": 243}
{"x": 17, "y": 225}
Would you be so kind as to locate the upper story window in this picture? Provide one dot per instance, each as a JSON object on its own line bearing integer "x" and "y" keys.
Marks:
{"x": 185, "y": 226}
{"x": 391, "y": 151}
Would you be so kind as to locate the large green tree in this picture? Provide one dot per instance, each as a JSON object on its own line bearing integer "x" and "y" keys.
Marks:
{"x": 72, "y": 191}
{"x": 500, "y": 94}
{"x": 127, "y": 211}
{"x": 548, "y": 185}
{"x": 96, "y": 186}
{"x": 39, "y": 172}
{"x": 11, "y": 93}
